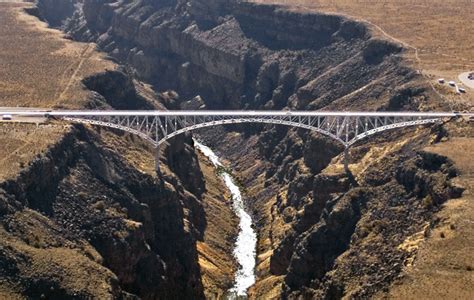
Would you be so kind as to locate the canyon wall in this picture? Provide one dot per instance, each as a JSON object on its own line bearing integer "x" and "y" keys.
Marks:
{"x": 93, "y": 201}
{"x": 249, "y": 55}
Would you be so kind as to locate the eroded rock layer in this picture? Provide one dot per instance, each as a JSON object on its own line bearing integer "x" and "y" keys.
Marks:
{"x": 96, "y": 201}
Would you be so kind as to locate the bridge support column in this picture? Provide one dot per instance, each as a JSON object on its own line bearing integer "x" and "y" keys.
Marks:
{"x": 346, "y": 160}
{"x": 157, "y": 160}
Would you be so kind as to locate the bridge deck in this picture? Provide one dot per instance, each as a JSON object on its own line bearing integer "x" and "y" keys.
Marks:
{"x": 237, "y": 113}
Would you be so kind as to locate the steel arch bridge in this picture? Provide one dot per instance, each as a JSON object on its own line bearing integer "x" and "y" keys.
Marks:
{"x": 158, "y": 126}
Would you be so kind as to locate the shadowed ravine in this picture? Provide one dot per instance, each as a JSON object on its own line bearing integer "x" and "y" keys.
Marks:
{"x": 244, "y": 250}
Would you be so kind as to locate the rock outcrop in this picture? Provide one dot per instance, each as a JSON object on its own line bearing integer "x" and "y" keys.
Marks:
{"x": 92, "y": 199}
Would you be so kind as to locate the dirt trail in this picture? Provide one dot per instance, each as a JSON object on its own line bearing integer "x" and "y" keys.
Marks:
{"x": 38, "y": 77}
{"x": 86, "y": 54}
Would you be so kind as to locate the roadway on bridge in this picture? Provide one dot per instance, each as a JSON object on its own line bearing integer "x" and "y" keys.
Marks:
{"x": 31, "y": 112}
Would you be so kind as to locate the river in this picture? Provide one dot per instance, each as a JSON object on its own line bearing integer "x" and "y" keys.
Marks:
{"x": 245, "y": 246}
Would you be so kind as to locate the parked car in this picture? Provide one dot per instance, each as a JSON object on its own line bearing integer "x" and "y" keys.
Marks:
{"x": 441, "y": 80}
{"x": 452, "y": 83}
{"x": 462, "y": 90}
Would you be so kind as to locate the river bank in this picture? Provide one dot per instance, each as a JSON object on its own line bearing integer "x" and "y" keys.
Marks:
{"x": 244, "y": 251}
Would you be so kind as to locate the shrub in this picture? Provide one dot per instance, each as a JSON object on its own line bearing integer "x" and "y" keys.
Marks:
{"x": 427, "y": 202}
{"x": 99, "y": 205}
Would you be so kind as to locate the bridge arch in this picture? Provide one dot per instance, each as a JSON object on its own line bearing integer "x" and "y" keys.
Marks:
{"x": 114, "y": 126}
{"x": 243, "y": 121}
{"x": 156, "y": 141}
{"x": 345, "y": 129}
{"x": 389, "y": 127}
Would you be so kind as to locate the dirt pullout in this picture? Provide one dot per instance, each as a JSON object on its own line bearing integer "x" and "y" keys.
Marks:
{"x": 321, "y": 222}
{"x": 38, "y": 68}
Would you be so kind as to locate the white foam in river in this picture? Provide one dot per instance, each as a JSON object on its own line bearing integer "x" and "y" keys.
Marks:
{"x": 244, "y": 250}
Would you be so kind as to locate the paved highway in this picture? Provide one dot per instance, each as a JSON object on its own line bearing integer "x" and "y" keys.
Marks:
{"x": 78, "y": 113}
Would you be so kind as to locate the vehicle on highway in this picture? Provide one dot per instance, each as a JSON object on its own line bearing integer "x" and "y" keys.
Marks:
{"x": 7, "y": 117}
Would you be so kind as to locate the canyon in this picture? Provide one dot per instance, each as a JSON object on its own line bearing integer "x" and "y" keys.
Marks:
{"x": 92, "y": 194}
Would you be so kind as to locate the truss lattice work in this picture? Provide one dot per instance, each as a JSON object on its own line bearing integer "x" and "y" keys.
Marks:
{"x": 346, "y": 129}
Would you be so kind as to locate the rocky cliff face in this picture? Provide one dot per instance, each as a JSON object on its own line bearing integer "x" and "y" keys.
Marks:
{"x": 242, "y": 54}
{"x": 56, "y": 12}
{"x": 360, "y": 229}
{"x": 95, "y": 200}
{"x": 321, "y": 233}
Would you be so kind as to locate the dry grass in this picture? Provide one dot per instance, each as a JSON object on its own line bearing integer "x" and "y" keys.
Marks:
{"x": 38, "y": 67}
{"x": 73, "y": 269}
{"x": 439, "y": 34}
{"x": 439, "y": 37}
{"x": 270, "y": 286}
{"x": 443, "y": 265}
{"x": 133, "y": 149}
{"x": 20, "y": 143}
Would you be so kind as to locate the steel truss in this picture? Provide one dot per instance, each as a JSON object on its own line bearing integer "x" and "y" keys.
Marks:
{"x": 345, "y": 129}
